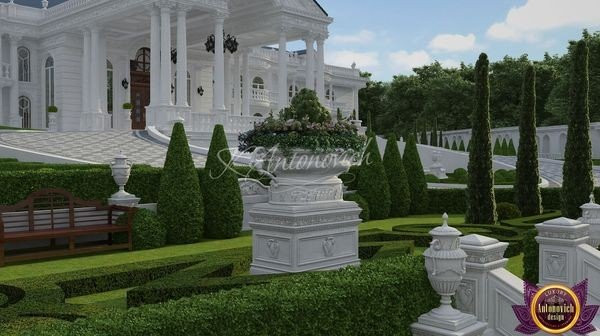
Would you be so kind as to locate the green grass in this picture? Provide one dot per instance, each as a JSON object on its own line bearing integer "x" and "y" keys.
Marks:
{"x": 515, "y": 265}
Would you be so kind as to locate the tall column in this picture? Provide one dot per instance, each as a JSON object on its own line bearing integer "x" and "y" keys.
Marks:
{"x": 331, "y": 97}
{"x": 182, "y": 94}
{"x": 154, "y": 60}
{"x": 282, "y": 100}
{"x": 237, "y": 90}
{"x": 95, "y": 98}
{"x": 247, "y": 84}
{"x": 219, "y": 69}
{"x": 165, "y": 55}
{"x": 355, "y": 101}
{"x": 321, "y": 69}
{"x": 1, "y": 74}
{"x": 85, "y": 73}
{"x": 15, "y": 120}
{"x": 227, "y": 80}
{"x": 103, "y": 77}
{"x": 310, "y": 62}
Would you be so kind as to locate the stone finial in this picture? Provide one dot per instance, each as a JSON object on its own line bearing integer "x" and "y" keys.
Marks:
{"x": 45, "y": 4}
{"x": 445, "y": 219}
{"x": 353, "y": 65}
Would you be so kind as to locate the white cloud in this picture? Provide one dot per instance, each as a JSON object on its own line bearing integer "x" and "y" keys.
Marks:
{"x": 345, "y": 58}
{"x": 362, "y": 37}
{"x": 450, "y": 63}
{"x": 403, "y": 61}
{"x": 452, "y": 42}
{"x": 527, "y": 22}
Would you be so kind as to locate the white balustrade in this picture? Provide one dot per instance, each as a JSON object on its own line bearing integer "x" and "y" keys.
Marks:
{"x": 204, "y": 122}
{"x": 261, "y": 95}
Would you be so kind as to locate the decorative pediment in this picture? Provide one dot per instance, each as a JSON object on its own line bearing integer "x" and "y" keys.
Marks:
{"x": 305, "y": 7}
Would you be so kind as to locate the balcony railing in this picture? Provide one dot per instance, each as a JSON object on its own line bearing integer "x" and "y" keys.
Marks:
{"x": 261, "y": 95}
{"x": 204, "y": 122}
{"x": 4, "y": 70}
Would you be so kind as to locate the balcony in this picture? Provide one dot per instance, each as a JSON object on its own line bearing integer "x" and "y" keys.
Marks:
{"x": 262, "y": 97}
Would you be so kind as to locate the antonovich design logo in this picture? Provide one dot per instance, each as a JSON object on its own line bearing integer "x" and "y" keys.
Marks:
{"x": 555, "y": 309}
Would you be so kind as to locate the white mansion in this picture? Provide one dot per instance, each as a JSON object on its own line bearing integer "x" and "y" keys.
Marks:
{"x": 89, "y": 57}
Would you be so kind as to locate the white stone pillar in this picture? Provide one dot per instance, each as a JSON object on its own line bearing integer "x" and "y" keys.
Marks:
{"x": 247, "y": 84}
{"x": 355, "y": 101}
{"x": 282, "y": 101}
{"x": 95, "y": 98}
{"x": 331, "y": 98}
{"x": 182, "y": 94}
{"x": 310, "y": 62}
{"x": 219, "y": 69}
{"x": 165, "y": 56}
{"x": 85, "y": 75}
{"x": 237, "y": 90}
{"x": 154, "y": 60}
{"x": 14, "y": 120}
{"x": 321, "y": 69}
{"x": 227, "y": 72}
{"x": 103, "y": 78}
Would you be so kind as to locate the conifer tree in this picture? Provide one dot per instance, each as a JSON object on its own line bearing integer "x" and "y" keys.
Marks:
{"x": 441, "y": 139}
{"x": 527, "y": 190}
{"x": 372, "y": 182}
{"x": 433, "y": 139}
{"x": 454, "y": 146}
{"x": 481, "y": 203}
{"x": 497, "y": 147}
{"x": 446, "y": 145}
{"x": 578, "y": 181}
{"x": 424, "y": 135}
{"x": 511, "y": 148}
{"x": 461, "y": 147}
{"x": 396, "y": 176}
{"x": 504, "y": 148}
{"x": 179, "y": 204}
{"x": 416, "y": 178}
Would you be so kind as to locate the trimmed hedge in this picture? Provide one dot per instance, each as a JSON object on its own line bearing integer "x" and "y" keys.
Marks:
{"x": 416, "y": 178}
{"x": 346, "y": 302}
{"x": 507, "y": 211}
{"x": 148, "y": 231}
{"x": 372, "y": 182}
{"x": 531, "y": 261}
{"x": 396, "y": 177}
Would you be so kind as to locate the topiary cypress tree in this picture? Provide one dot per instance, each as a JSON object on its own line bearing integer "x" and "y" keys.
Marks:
{"x": 224, "y": 210}
{"x": 578, "y": 181}
{"x": 446, "y": 145}
{"x": 497, "y": 147}
{"x": 417, "y": 184}
{"x": 179, "y": 204}
{"x": 424, "y": 135}
{"x": 481, "y": 203}
{"x": 527, "y": 190}
{"x": 372, "y": 182}
{"x": 441, "y": 139}
{"x": 469, "y": 147}
{"x": 454, "y": 147}
{"x": 504, "y": 147}
{"x": 396, "y": 177}
{"x": 511, "y": 148}
{"x": 338, "y": 115}
{"x": 433, "y": 139}
{"x": 461, "y": 147}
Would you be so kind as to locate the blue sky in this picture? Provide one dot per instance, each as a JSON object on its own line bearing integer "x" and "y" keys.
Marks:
{"x": 388, "y": 37}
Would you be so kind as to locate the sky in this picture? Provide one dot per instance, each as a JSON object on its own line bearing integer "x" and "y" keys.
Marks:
{"x": 390, "y": 37}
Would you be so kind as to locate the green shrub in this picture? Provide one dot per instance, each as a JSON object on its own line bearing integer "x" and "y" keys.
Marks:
{"x": 454, "y": 146}
{"x": 432, "y": 178}
{"x": 306, "y": 105}
{"x": 148, "y": 232}
{"x": 511, "y": 149}
{"x": 446, "y": 145}
{"x": 179, "y": 198}
{"x": 504, "y": 177}
{"x": 396, "y": 177}
{"x": 507, "y": 211}
{"x": 127, "y": 106}
{"x": 460, "y": 176}
{"x": 504, "y": 147}
{"x": 223, "y": 207}
{"x": 416, "y": 178}
{"x": 531, "y": 259}
{"x": 362, "y": 203}
{"x": 461, "y": 146}
{"x": 497, "y": 147}
{"x": 52, "y": 109}
{"x": 372, "y": 182}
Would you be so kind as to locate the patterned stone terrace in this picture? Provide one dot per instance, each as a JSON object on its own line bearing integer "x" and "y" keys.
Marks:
{"x": 98, "y": 147}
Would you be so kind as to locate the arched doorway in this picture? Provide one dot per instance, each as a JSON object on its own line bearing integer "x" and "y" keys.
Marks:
{"x": 140, "y": 87}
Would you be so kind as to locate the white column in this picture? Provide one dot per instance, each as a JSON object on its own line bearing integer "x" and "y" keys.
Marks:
{"x": 355, "y": 101}
{"x": 165, "y": 56}
{"x": 247, "y": 84}
{"x": 310, "y": 63}
{"x": 85, "y": 71}
{"x": 182, "y": 98}
{"x": 154, "y": 61}
{"x": 321, "y": 69}
{"x": 331, "y": 98}
{"x": 103, "y": 78}
{"x": 227, "y": 80}
{"x": 219, "y": 69}
{"x": 237, "y": 90}
{"x": 95, "y": 100}
{"x": 282, "y": 100}
{"x": 1, "y": 89}
{"x": 15, "y": 120}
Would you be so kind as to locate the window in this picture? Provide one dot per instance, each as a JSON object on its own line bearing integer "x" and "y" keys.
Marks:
{"x": 25, "y": 111}
{"x": 189, "y": 88}
{"x": 142, "y": 60}
{"x": 24, "y": 64}
{"x": 293, "y": 90}
{"x": 258, "y": 83}
{"x": 330, "y": 95}
{"x": 109, "y": 91}
{"x": 49, "y": 71}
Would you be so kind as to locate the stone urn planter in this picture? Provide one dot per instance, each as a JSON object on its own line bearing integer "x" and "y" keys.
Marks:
{"x": 52, "y": 118}
{"x": 121, "y": 169}
{"x": 306, "y": 225}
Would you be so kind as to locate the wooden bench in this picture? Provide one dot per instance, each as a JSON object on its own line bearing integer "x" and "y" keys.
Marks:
{"x": 55, "y": 213}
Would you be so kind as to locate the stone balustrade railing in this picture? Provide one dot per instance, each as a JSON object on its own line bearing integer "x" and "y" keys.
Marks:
{"x": 5, "y": 70}
{"x": 204, "y": 122}
{"x": 261, "y": 95}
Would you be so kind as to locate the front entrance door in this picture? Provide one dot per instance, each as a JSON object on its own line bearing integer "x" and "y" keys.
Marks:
{"x": 140, "y": 98}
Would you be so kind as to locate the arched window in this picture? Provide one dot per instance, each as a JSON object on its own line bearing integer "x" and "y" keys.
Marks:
{"x": 49, "y": 87}
{"x": 292, "y": 91}
{"x": 24, "y": 64}
{"x": 330, "y": 95}
{"x": 258, "y": 83}
{"x": 142, "y": 60}
{"x": 189, "y": 88}
{"x": 25, "y": 111}
{"x": 109, "y": 91}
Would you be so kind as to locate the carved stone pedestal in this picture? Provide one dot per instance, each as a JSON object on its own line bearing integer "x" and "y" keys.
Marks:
{"x": 306, "y": 225}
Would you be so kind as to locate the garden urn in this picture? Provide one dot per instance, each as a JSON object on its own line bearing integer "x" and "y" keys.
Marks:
{"x": 121, "y": 169}
{"x": 52, "y": 122}
{"x": 591, "y": 215}
{"x": 446, "y": 264}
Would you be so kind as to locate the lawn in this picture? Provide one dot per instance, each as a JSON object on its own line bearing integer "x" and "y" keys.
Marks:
{"x": 48, "y": 267}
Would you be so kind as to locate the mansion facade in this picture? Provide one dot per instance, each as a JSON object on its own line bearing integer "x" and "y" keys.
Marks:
{"x": 90, "y": 57}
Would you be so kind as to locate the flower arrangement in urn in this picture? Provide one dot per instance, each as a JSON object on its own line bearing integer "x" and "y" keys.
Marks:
{"x": 305, "y": 125}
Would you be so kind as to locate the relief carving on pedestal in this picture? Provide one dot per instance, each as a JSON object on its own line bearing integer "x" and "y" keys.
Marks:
{"x": 273, "y": 246}
{"x": 328, "y": 245}
{"x": 556, "y": 265}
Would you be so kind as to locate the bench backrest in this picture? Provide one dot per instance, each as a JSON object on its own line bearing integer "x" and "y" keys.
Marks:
{"x": 53, "y": 209}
